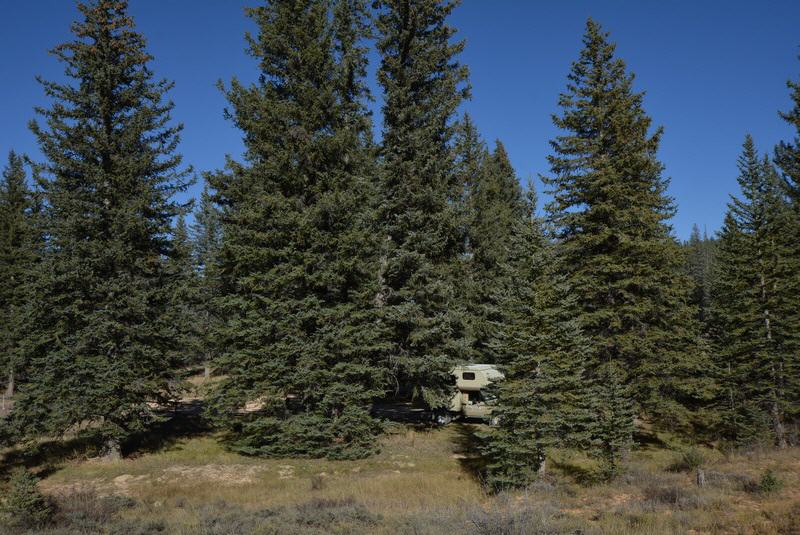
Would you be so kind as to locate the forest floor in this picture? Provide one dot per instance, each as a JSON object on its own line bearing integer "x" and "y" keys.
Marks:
{"x": 424, "y": 481}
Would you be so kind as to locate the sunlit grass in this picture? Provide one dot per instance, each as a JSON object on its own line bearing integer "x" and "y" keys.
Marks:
{"x": 422, "y": 481}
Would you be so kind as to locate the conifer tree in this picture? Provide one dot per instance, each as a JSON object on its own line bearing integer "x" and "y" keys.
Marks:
{"x": 787, "y": 157}
{"x": 541, "y": 403}
{"x": 787, "y": 154}
{"x": 206, "y": 236}
{"x": 496, "y": 206}
{"x": 297, "y": 263}
{"x": 206, "y": 232}
{"x": 756, "y": 325}
{"x": 19, "y": 251}
{"x": 699, "y": 266}
{"x": 103, "y": 348}
{"x": 186, "y": 295}
{"x": 419, "y": 209}
{"x": 609, "y": 214}
{"x": 469, "y": 165}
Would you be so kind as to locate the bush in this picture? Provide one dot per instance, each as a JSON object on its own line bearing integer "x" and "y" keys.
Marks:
{"x": 674, "y": 497}
{"x": 688, "y": 460}
{"x": 769, "y": 483}
{"x": 25, "y": 506}
{"x": 83, "y": 509}
{"x": 316, "y": 517}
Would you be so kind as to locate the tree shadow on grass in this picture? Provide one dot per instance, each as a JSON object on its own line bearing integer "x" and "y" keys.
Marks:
{"x": 467, "y": 449}
{"x": 45, "y": 456}
{"x": 181, "y": 422}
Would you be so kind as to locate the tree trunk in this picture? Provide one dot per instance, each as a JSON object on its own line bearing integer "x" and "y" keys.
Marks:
{"x": 10, "y": 385}
{"x": 112, "y": 451}
{"x": 701, "y": 478}
{"x": 778, "y": 427}
{"x": 207, "y": 370}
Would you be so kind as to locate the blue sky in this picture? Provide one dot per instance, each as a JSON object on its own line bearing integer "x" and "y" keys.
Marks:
{"x": 712, "y": 71}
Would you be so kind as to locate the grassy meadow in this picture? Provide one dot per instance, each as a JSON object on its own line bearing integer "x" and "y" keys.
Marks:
{"x": 424, "y": 481}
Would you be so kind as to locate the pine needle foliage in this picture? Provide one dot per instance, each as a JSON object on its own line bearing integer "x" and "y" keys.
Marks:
{"x": 492, "y": 206}
{"x": 104, "y": 345}
{"x": 301, "y": 346}
{"x": 542, "y": 402}
{"x": 20, "y": 248}
{"x": 419, "y": 210}
{"x": 755, "y": 316}
{"x": 24, "y": 506}
{"x": 609, "y": 216}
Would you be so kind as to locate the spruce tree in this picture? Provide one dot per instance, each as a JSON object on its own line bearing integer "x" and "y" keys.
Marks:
{"x": 186, "y": 295}
{"x": 541, "y": 403}
{"x": 787, "y": 157}
{"x": 104, "y": 344}
{"x": 756, "y": 324}
{"x": 19, "y": 251}
{"x": 299, "y": 342}
{"x": 496, "y": 206}
{"x": 699, "y": 266}
{"x": 609, "y": 215}
{"x": 787, "y": 154}
{"x": 419, "y": 209}
{"x": 206, "y": 236}
{"x": 206, "y": 232}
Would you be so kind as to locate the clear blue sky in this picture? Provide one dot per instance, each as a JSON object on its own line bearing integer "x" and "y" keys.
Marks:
{"x": 712, "y": 70}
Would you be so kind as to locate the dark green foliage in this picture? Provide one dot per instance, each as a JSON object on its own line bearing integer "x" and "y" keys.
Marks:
{"x": 494, "y": 207}
{"x": 206, "y": 233}
{"x": 419, "y": 209}
{"x": 206, "y": 237}
{"x": 769, "y": 483}
{"x": 757, "y": 332}
{"x": 300, "y": 340}
{"x": 103, "y": 343}
{"x": 699, "y": 265}
{"x": 19, "y": 250}
{"x": 186, "y": 297}
{"x": 609, "y": 216}
{"x": 787, "y": 157}
{"x": 24, "y": 506}
{"x": 787, "y": 154}
{"x": 543, "y": 402}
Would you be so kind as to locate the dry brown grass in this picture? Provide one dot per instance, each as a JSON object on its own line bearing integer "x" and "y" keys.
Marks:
{"x": 424, "y": 482}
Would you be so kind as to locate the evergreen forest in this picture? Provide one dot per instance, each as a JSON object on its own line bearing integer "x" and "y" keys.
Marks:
{"x": 343, "y": 264}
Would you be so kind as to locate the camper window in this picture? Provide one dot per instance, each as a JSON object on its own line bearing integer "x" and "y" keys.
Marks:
{"x": 468, "y": 376}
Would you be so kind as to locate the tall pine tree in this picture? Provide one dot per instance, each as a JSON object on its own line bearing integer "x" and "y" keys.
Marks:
{"x": 103, "y": 347}
{"x": 19, "y": 251}
{"x": 755, "y": 317}
{"x": 542, "y": 402}
{"x": 787, "y": 157}
{"x": 419, "y": 209}
{"x": 300, "y": 340}
{"x": 495, "y": 208}
{"x": 699, "y": 265}
{"x": 206, "y": 237}
{"x": 186, "y": 296}
{"x": 609, "y": 214}
{"x": 787, "y": 154}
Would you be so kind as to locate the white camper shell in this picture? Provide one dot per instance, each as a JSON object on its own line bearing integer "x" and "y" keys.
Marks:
{"x": 470, "y": 399}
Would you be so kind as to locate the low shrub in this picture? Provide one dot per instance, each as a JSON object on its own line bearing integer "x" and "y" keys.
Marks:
{"x": 688, "y": 460}
{"x": 674, "y": 497}
{"x": 317, "y": 517}
{"x": 85, "y": 507}
{"x": 527, "y": 518}
{"x": 25, "y": 507}
{"x": 769, "y": 483}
